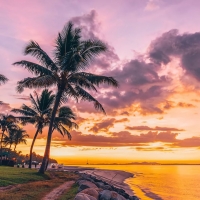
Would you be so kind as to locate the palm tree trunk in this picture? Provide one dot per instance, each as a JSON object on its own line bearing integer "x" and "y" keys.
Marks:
{"x": 48, "y": 144}
{"x": 15, "y": 147}
{"x": 1, "y": 147}
{"x": 31, "y": 149}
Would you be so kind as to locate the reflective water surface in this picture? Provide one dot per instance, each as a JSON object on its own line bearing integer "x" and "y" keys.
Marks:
{"x": 170, "y": 182}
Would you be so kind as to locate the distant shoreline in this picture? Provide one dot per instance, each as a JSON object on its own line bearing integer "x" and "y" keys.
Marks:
{"x": 125, "y": 164}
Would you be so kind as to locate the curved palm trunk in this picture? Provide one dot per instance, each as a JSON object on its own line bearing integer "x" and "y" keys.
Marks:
{"x": 48, "y": 144}
{"x": 1, "y": 146}
{"x": 31, "y": 149}
{"x": 15, "y": 147}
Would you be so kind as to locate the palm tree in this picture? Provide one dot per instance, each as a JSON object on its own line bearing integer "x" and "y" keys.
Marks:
{"x": 3, "y": 79}
{"x": 38, "y": 113}
{"x": 63, "y": 122}
{"x": 10, "y": 138}
{"x": 20, "y": 137}
{"x": 66, "y": 71}
{"x": 7, "y": 123}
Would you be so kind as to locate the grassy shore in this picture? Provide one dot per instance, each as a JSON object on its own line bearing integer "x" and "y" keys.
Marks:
{"x": 29, "y": 185}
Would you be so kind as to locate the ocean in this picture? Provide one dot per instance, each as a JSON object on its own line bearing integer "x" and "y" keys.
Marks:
{"x": 162, "y": 182}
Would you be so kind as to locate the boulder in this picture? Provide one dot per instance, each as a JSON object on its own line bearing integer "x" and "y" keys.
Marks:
{"x": 86, "y": 184}
{"x": 133, "y": 198}
{"x": 110, "y": 195}
{"x": 91, "y": 191}
{"x": 105, "y": 195}
{"x": 116, "y": 196}
{"x": 82, "y": 196}
{"x": 107, "y": 187}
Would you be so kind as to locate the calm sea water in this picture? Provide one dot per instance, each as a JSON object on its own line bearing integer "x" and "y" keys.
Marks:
{"x": 168, "y": 182}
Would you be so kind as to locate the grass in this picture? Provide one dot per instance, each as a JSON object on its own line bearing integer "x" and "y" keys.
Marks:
{"x": 32, "y": 185}
{"x": 12, "y": 176}
{"x": 69, "y": 195}
{"x": 30, "y": 191}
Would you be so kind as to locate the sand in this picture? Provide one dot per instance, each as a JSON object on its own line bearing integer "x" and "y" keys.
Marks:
{"x": 55, "y": 193}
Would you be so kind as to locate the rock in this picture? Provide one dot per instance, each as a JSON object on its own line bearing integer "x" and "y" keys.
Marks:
{"x": 86, "y": 184}
{"x": 100, "y": 184}
{"x": 133, "y": 198}
{"x": 82, "y": 196}
{"x": 116, "y": 196}
{"x": 105, "y": 195}
{"x": 91, "y": 191}
{"x": 107, "y": 187}
{"x": 110, "y": 195}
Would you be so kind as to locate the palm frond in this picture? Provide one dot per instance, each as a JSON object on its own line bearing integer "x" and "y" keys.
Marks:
{"x": 34, "y": 68}
{"x": 97, "y": 79}
{"x": 66, "y": 44}
{"x": 24, "y": 110}
{"x": 36, "y": 82}
{"x": 89, "y": 50}
{"x": 46, "y": 100}
{"x": 25, "y": 83}
{"x": 3, "y": 79}
{"x": 34, "y": 49}
{"x": 66, "y": 132}
{"x": 81, "y": 80}
{"x": 34, "y": 103}
{"x": 85, "y": 96}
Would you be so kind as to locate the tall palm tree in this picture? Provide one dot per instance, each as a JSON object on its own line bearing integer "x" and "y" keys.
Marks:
{"x": 20, "y": 137}
{"x": 63, "y": 122}
{"x": 66, "y": 71}
{"x": 7, "y": 122}
{"x": 38, "y": 113}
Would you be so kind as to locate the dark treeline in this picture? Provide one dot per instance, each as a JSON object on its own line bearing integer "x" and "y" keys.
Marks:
{"x": 18, "y": 158}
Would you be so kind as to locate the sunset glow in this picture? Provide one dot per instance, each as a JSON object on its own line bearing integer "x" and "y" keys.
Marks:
{"x": 154, "y": 54}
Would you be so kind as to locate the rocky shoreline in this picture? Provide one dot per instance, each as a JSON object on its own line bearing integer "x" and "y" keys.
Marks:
{"x": 93, "y": 188}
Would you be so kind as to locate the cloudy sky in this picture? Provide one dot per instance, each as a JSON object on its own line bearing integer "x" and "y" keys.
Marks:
{"x": 153, "y": 52}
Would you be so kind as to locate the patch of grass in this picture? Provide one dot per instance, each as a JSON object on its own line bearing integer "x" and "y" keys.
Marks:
{"x": 32, "y": 184}
{"x": 70, "y": 194}
{"x": 12, "y": 176}
{"x": 30, "y": 191}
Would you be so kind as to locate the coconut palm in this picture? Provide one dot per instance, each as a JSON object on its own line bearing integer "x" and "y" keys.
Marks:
{"x": 20, "y": 136}
{"x": 10, "y": 138}
{"x": 66, "y": 71}
{"x": 7, "y": 122}
{"x": 63, "y": 121}
{"x": 38, "y": 113}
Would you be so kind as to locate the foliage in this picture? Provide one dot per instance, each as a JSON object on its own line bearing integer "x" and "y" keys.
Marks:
{"x": 66, "y": 71}
{"x": 39, "y": 113}
{"x": 21, "y": 158}
{"x": 3, "y": 79}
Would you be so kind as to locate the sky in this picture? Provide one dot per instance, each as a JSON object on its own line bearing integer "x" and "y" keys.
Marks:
{"x": 154, "y": 54}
